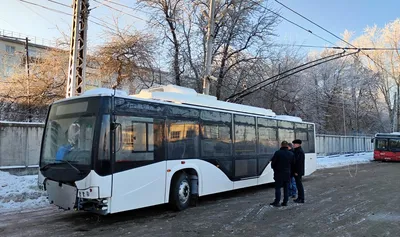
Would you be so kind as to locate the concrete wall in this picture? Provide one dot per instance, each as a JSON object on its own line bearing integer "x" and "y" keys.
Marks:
{"x": 20, "y": 144}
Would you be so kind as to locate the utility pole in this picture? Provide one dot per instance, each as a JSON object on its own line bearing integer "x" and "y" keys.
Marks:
{"x": 398, "y": 107}
{"x": 27, "y": 71}
{"x": 210, "y": 40}
{"x": 77, "y": 58}
{"x": 344, "y": 113}
{"x": 27, "y": 56}
{"x": 395, "y": 118}
{"x": 28, "y": 79}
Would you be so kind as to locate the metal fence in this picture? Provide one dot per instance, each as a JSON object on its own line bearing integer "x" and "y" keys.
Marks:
{"x": 335, "y": 144}
{"x": 33, "y": 39}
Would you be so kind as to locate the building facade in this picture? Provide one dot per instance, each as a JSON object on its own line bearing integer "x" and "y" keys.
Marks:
{"x": 13, "y": 54}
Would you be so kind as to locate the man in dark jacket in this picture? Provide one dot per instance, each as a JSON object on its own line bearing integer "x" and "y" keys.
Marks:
{"x": 298, "y": 170}
{"x": 281, "y": 163}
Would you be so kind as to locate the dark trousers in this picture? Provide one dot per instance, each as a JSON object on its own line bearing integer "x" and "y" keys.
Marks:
{"x": 278, "y": 185}
{"x": 300, "y": 187}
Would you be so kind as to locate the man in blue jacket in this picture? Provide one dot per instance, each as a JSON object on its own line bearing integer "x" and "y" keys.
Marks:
{"x": 281, "y": 163}
{"x": 298, "y": 170}
{"x": 292, "y": 183}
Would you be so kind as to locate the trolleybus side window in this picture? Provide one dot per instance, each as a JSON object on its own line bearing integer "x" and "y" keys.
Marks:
{"x": 245, "y": 146}
{"x": 267, "y": 136}
{"x": 311, "y": 140}
{"x": 183, "y": 139}
{"x": 138, "y": 107}
{"x": 394, "y": 144}
{"x": 301, "y": 132}
{"x": 216, "y": 134}
{"x": 178, "y": 112}
{"x": 216, "y": 139}
{"x": 267, "y": 141}
{"x": 142, "y": 140}
{"x": 381, "y": 144}
{"x": 245, "y": 135}
{"x": 285, "y": 131}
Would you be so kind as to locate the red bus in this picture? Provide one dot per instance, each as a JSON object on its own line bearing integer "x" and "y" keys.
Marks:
{"x": 387, "y": 146}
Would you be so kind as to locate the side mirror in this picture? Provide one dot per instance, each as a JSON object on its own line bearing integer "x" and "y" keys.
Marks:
{"x": 119, "y": 137}
{"x": 115, "y": 126}
{"x": 118, "y": 134}
{"x": 372, "y": 140}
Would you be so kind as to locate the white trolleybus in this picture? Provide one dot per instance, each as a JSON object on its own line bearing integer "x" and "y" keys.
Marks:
{"x": 107, "y": 152}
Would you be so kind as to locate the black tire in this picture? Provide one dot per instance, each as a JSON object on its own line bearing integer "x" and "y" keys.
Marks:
{"x": 180, "y": 195}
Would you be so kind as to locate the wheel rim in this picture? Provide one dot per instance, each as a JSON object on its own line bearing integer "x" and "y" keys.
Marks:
{"x": 184, "y": 191}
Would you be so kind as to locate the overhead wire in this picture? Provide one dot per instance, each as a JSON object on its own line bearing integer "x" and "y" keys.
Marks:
{"x": 238, "y": 95}
{"x": 128, "y": 7}
{"x": 339, "y": 48}
{"x": 48, "y": 8}
{"x": 279, "y": 74}
{"x": 115, "y": 9}
{"x": 69, "y": 14}
{"x": 334, "y": 35}
{"x": 290, "y": 74}
{"x": 292, "y": 22}
{"x": 41, "y": 16}
{"x": 59, "y": 3}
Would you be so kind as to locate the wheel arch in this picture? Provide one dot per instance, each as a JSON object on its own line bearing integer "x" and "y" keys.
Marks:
{"x": 191, "y": 171}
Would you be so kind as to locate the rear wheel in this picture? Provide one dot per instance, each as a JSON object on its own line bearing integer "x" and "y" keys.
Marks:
{"x": 180, "y": 192}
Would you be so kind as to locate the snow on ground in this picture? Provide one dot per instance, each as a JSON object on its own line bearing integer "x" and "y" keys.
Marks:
{"x": 20, "y": 192}
{"x": 344, "y": 160}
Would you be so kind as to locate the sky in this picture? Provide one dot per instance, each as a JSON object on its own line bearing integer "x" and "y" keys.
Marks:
{"x": 336, "y": 16}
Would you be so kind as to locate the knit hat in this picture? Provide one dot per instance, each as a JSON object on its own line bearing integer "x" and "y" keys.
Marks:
{"x": 296, "y": 141}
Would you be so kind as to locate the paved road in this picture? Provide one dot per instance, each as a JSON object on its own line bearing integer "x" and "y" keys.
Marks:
{"x": 358, "y": 200}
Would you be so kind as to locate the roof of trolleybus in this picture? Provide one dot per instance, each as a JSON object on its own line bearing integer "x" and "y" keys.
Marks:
{"x": 186, "y": 97}
{"x": 388, "y": 135}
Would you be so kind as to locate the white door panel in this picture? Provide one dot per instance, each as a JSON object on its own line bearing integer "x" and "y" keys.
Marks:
{"x": 140, "y": 187}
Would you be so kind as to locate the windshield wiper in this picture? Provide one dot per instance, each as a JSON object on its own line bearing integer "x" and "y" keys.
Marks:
{"x": 65, "y": 161}
{"x": 62, "y": 161}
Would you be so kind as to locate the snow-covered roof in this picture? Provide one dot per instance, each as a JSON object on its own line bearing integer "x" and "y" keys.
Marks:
{"x": 393, "y": 134}
{"x": 182, "y": 95}
{"x": 289, "y": 118}
{"x": 104, "y": 91}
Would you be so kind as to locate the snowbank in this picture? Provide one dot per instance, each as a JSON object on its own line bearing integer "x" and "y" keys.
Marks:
{"x": 344, "y": 160}
{"x": 20, "y": 192}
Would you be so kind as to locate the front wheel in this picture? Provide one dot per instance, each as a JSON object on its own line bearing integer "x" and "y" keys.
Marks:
{"x": 180, "y": 192}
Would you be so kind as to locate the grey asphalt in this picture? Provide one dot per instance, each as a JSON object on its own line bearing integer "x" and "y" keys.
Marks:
{"x": 357, "y": 200}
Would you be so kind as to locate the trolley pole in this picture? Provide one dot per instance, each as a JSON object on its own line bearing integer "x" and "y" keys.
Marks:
{"x": 28, "y": 89}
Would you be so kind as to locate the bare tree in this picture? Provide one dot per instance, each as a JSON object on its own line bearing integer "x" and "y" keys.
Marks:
{"x": 127, "y": 56}
{"x": 166, "y": 16}
{"x": 28, "y": 96}
{"x": 243, "y": 33}
{"x": 384, "y": 63}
